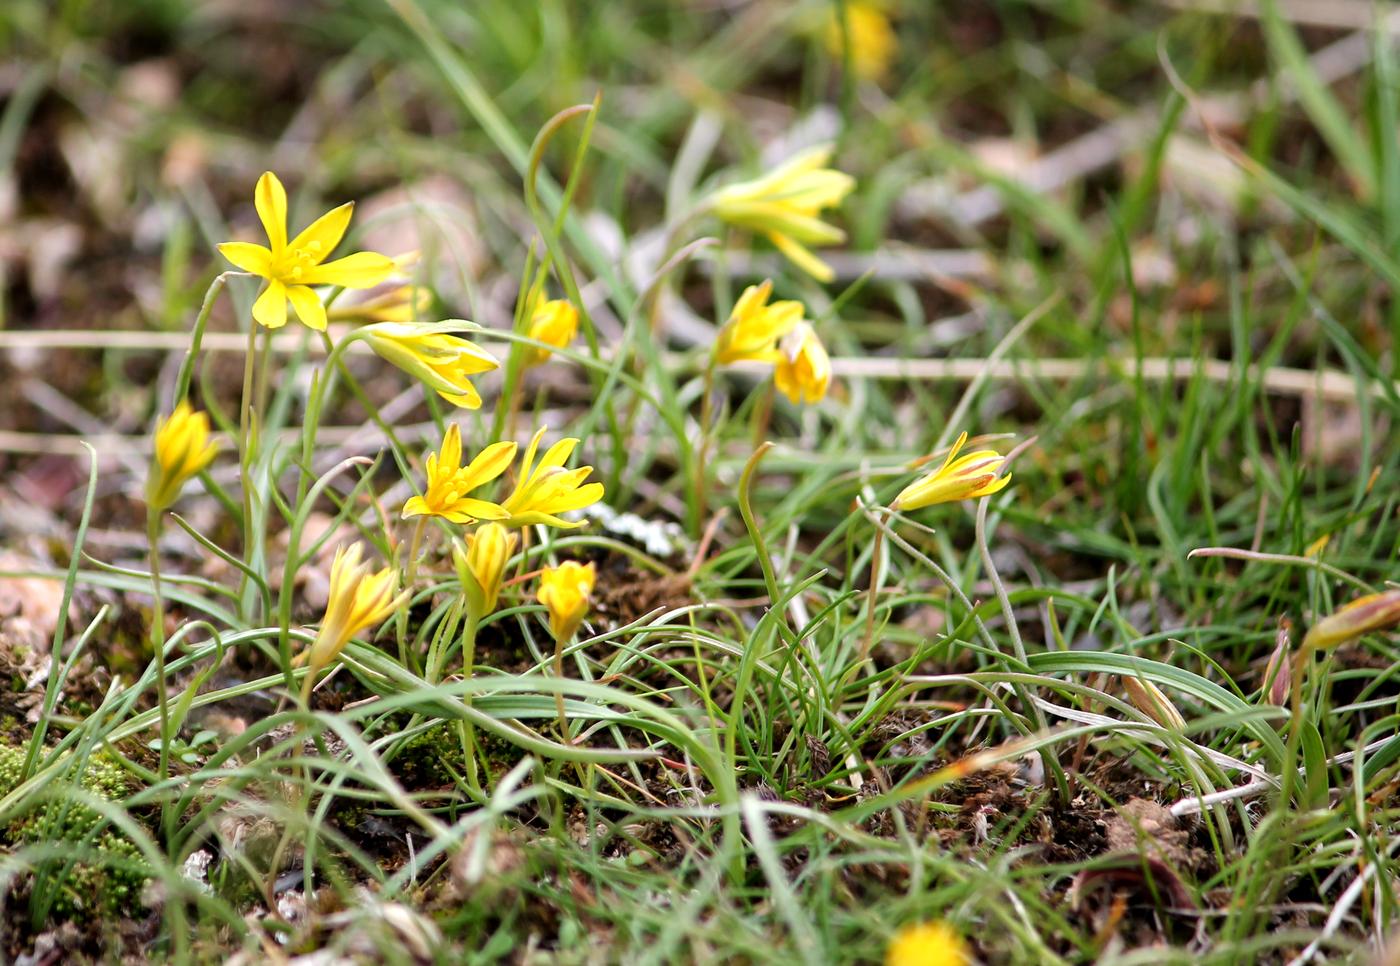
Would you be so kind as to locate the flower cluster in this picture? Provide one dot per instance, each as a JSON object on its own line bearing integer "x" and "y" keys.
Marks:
{"x": 543, "y": 491}
{"x": 299, "y": 276}
{"x": 776, "y": 334}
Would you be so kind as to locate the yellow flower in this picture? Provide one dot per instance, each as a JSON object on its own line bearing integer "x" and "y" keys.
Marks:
{"x": 182, "y": 449}
{"x": 481, "y": 564}
{"x": 872, "y": 39}
{"x": 786, "y": 205}
{"x": 402, "y": 304}
{"x": 803, "y": 372}
{"x": 547, "y": 490}
{"x": 564, "y": 593}
{"x": 358, "y": 600}
{"x": 754, "y": 327}
{"x": 1373, "y": 612}
{"x": 292, "y": 267}
{"x": 449, "y": 482}
{"x": 554, "y": 322}
{"x": 927, "y": 944}
{"x": 959, "y": 478}
{"x": 429, "y": 352}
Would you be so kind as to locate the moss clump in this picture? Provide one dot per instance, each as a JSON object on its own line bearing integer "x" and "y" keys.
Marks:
{"x": 428, "y": 759}
{"x": 113, "y": 873}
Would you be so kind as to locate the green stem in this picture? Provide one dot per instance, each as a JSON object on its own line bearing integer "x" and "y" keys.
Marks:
{"x": 314, "y": 405}
{"x": 153, "y": 518}
{"x": 706, "y": 432}
{"x": 415, "y": 545}
{"x": 468, "y": 732}
{"x": 182, "y": 382}
{"x": 1295, "y": 724}
{"x": 308, "y": 682}
{"x": 871, "y": 594}
{"x": 763, "y": 414}
{"x": 559, "y": 643}
{"x": 246, "y": 447}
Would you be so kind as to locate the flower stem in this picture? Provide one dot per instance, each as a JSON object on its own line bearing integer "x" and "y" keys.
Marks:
{"x": 158, "y": 645}
{"x": 1301, "y": 662}
{"x": 469, "y": 630}
{"x": 702, "y": 455}
{"x": 182, "y": 381}
{"x": 308, "y": 683}
{"x": 763, "y": 415}
{"x": 559, "y": 643}
{"x": 871, "y": 593}
{"x": 246, "y": 445}
{"x": 415, "y": 545}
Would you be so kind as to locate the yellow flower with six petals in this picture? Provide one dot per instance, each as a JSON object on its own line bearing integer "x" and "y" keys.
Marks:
{"x": 431, "y": 353}
{"x": 449, "y": 482}
{"x": 803, "y": 372}
{"x": 959, "y": 478}
{"x": 786, "y": 204}
{"x": 546, "y": 490}
{"x": 182, "y": 449}
{"x": 358, "y": 600}
{"x": 755, "y": 326}
{"x": 564, "y": 591}
{"x": 292, "y": 267}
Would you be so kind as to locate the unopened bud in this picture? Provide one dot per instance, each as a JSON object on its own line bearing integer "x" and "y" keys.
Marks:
{"x": 1150, "y": 700}
{"x": 1374, "y": 612}
{"x": 1278, "y": 675}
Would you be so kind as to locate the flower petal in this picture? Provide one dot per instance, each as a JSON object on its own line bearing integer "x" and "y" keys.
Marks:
{"x": 480, "y": 509}
{"x": 323, "y": 234}
{"x": 249, "y": 257}
{"x": 450, "y": 456}
{"x": 489, "y": 464}
{"x": 803, "y": 258}
{"x": 308, "y": 305}
{"x": 467, "y": 398}
{"x": 360, "y": 270}
{"x": 559, "y": 453}
{"x": 528, "y": 463}
{"x": 270, "y": 198}
{"x": 271, "y": 307}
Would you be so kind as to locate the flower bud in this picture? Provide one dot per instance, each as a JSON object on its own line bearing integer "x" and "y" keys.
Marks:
{"x": 1151, "y": 701}
{"x": 182, "y": 449}
{"x": 564, "y": 592}
{"x": 481, "y": 560}
{"x": 1374, "y": 612}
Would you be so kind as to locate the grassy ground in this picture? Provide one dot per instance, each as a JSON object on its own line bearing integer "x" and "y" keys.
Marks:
{"x": 1155, "y": 243}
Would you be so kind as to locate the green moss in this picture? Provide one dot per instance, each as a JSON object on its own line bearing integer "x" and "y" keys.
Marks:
{"x": 428, "y": 759}
{"x": 109, "y": 881}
